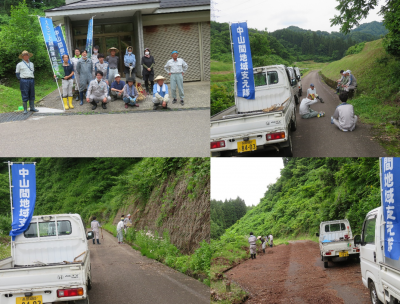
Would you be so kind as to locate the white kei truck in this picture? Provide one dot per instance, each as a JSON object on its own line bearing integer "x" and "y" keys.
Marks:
{"x": 49, "y": 263}
{"x": 380, "y": 273}
{"x": 265, "y": 123}
{"x": 336, "y": 241}
{"x": 298, "y": 77}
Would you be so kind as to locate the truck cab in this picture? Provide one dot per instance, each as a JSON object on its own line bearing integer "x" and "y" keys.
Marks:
{"x": 49, "y": 263}
{"x": 294, "y": 83}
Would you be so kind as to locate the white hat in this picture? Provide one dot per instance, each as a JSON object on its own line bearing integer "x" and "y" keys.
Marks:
{"x": 117, "y": 75}
{"x": 348, "y": 71}
{"x": 128, "y": 215}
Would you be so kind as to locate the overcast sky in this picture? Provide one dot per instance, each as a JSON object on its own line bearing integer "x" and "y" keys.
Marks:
{"x": 244, "y": 177}
{"x": 273, "y": 15}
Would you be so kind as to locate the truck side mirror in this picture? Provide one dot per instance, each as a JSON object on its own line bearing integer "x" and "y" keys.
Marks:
{"x": 317, "y": 234}
{"x": 90, "y": 235}
{"x": 357, "y": 240}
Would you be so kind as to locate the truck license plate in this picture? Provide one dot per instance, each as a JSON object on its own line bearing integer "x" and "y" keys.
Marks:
{"x": 30, "y": 300}
{"x": 343, "y": 254}
{"x": 247, "y": 146}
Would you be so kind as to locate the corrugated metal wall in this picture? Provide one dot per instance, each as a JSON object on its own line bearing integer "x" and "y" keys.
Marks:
{"x": 205, "y": 30}
{"x": 184, "y": 37}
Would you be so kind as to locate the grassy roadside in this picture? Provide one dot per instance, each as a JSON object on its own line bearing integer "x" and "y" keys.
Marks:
{"x": 230, "y": 251}
{"x": 196, "y": 265}
{"x": 5, "y": 248}
{"x": 308, "y": 66}
{"x": 10, "y": 94}
{"x": 377, "y": 100}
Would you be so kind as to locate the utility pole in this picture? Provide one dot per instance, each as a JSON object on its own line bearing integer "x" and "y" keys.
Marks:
{"x": 214, "y": 10}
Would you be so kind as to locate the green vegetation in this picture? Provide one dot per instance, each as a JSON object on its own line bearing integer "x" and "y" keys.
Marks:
{"x": 225, "y": 214}
{"x": 378, "y": 82}
{"x": 355, "y": 49}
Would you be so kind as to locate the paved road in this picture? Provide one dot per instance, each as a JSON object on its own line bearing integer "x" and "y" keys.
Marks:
{"x": 294, "y": 273}
{"x": 148, "y": 134}
{"x": 121, "y": 275}
{"x": 317, "y": 137}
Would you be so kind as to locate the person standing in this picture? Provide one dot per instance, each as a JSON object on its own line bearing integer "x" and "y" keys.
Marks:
{"x": 84, "y": 70}
{"x": 25, "y": 74}
{"x": 94, "y": 59}
{"x": 344, "y": 117}
{"x": 175, "y": 68}
{"x": 271, "y": 240}
{"x": 67, "y": 82}
{"x": 120, "y": 236}
{"x": 117, "y": 88}
{"x": 160, "y": 93}
{"x": 130, "y": 93}
{"x": 113, "y": 64}
{"x": 74, "y": 61}
{"x": 103, "y": 66}
{"x": 95, "y": 225}
{"x": 97, "y": 91}
{"x": 148, "y": 70}
{"x": 253, "y": 247}
{"x": 127, "y": 222}
{"x": 263, "y": 243}
{"x": 130, "y": 63}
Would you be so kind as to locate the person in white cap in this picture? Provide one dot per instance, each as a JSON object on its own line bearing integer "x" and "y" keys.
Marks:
{"x": 127, "y": 222}
{"x": 352, "y": 82}
{"x": 117, "y": 88}
{"x": 160, "y": 93}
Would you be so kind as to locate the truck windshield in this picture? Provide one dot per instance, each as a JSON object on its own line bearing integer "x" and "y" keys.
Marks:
{"x": 335, "y": 227}
{"x": 48, "y": 229}
{"x": 262, "y": 79}
{"x": 369, "y": 231}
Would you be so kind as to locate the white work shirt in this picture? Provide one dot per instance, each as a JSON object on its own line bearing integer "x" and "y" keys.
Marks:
{"x": 252, "y": 240}
{"x": 178, "y": 66}
{"x": 25, "y": 69}
{"x": 126, "y": 221}
{"x": 305, "y": 105}
{"x": 309, "y": 91}
{"x": 95, "y": 225}
{"x": 271, "y": 237}
{"x": 120, "y": 225}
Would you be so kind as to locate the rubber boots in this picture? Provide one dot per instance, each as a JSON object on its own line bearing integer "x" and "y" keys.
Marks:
{"x": 98, "y": 242}
{"x": 70, "y": 102}
{"x": 32, "y": 106}
{"x": 65, "y": 100}
{"x": 25, "y": 104}
{"x": 94, "y": 105}
{"x": 81, "y": 98}
{"x": 94, "y": 242}
{"x": 104, "y": 105}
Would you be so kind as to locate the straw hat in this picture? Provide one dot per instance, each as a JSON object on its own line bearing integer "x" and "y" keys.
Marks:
{"x": 113, "y": 48}
{"x": 25, "y": 53}
{"x": 259, "y": 237}
{"x": 159, "y": 77}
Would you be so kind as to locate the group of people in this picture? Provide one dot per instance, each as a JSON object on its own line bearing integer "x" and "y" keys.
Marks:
{"x": 97, "y": 79}
{"x": 347, "y": 82}
{"x": 265, "y": 241}
{"x": 343, "y": 117}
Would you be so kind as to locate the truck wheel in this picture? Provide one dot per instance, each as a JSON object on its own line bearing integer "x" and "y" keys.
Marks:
{"x": 373, "y": 294}
{"x": 288, "y": 151}
{"x": 326, "y": 264}
{"x": 293, "y": 123}
{"x": 296, "y": 99}
{"x": 322, "y": 258}
{"x": 89, "y": 284}
{"x": 300, "y": 92}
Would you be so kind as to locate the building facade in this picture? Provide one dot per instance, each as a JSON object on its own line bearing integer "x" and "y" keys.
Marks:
{"x": 160, "y": 25}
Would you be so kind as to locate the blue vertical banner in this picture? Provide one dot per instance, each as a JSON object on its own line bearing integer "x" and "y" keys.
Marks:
{"x": 61, "y": 44}
{"x": 52, "y": 46}
{"x": 390, "y": 191}
{"x": 89, "y": 39}
{"x": 243, "y": 62}
{"x": 23, "y": 195}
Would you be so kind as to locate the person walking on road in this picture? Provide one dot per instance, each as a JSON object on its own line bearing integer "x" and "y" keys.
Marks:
{"x": 84, "y": 71}
{"x": 253, "y": 247}
{"x": 344, "y": 117}
{"x": 97, "y": 91}
{"x": 25, "y": 74}
{"x": 120, "y": 236}
{"x": 175, "y": 68}
{"x": 95, "y": 225}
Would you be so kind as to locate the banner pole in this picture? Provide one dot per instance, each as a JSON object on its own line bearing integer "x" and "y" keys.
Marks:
{"x": 11, "y": 203}
{"x": 51, "y": 64}
{"x": 233, "y": 62}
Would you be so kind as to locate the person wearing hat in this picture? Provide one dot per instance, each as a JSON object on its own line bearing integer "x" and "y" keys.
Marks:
{"x": 175, "y": 68}
{"x": 95, "y": 225}
{"x": 25, "y": 74}
{"x": 160, "y": 93}
{"x": 130, "y": 93}
{"x": 97, "y": 91}
{"x": 74, "y": 61}
{"x": 346, "y": 80}
{"x": 84, "y": 70}
{"x": 130, "y": 63}
{"x": 127, "y": 222}
{"x": 148, "y": 70}
{"x": 67, "y": 82}
{"x": 253, "y": 247}
{"x": 344, "y": 117}
{"x": 312, "y": 93}
{"x": 94, "y": 59}
{"x": 113, "y": 64}
{"x": 117, "y": 88}
{"x": 351, "y": 83}
{"x": 103, "y": 66}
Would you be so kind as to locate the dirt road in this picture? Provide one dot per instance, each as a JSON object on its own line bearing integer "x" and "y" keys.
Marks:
{"x": 294, "y": 273}
{"x": 317, "y": 137}
{"x": 122, "y": 275}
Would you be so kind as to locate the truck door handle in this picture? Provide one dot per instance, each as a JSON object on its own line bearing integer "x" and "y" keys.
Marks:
{"x": 374, "y": 256}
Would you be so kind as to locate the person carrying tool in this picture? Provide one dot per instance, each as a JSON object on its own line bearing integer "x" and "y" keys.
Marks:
{"x": 95, "y": 225}
{"x": 120, "y": 236}
{"x": 253, "y": 247}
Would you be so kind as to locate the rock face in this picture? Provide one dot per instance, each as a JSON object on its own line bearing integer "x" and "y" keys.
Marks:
{"x": 175, "y": 207}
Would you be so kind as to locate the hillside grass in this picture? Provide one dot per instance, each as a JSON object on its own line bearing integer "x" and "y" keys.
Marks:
{"x": 377, "y": 100}
{"x": 10, "y": 94}
{"x": 308, "y": 66}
